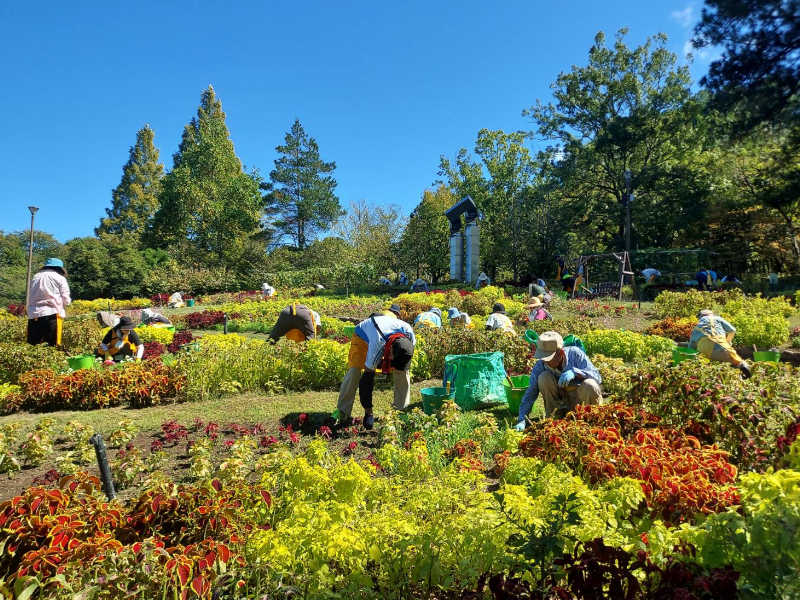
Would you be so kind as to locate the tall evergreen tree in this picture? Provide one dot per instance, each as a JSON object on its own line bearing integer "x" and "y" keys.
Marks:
{"x": 301, "y": 192}
{"x": 135, "y": 200}
{"x": 208, "y": 204}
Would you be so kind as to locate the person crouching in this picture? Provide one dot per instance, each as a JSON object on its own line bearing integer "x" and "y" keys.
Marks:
{"x": 121, "y": 342}
{"x": 564, "y": 376}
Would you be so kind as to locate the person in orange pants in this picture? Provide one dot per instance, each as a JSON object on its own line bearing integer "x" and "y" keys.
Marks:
{"x": 366, "y": 353}
{"x": 297, "y": 322}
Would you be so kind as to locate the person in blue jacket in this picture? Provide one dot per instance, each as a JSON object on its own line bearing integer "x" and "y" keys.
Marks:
{"x": 430, "y": 318}
{"x": 564, "y": 376}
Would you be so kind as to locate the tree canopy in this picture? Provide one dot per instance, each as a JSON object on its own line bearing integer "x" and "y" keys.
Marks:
{"x": 208, "y": 205}
{"x": 301, "y": 190}
{"x": 135, "y": 200}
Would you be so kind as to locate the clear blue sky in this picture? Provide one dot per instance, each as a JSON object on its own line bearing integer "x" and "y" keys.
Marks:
{"x": 385, "y": 88}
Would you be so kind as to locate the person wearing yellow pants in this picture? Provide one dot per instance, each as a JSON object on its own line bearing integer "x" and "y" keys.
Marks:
{"x": 366, "y": 350}
{"x": 49, "y": 296}
{"x": 712, "y": 337}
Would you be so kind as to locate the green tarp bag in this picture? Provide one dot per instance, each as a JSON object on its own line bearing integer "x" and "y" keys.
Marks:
{"x": 476, "y": 378}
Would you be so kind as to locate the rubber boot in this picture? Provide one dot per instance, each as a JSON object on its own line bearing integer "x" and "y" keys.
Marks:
{"x": 745, "y": 370}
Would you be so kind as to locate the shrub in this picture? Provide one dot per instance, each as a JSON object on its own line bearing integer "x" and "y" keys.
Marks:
{"x": 79, "y": 307}
{"x": 757, "y": 320}
{"x": 761, "y": 539}
{"x": 438, "y": 343}
{"x": 678, "y": 329}
{"x": 81, "y": 336}
{"x": 17, "y": 358}
{"x": 12, "y": 329}
{"x": 679, "y": 476}
{"x": 712, "y": 402}
{"x": 155, "y": 334}
{"x": 627, "y": 345}
{"x": 136, "y": 384}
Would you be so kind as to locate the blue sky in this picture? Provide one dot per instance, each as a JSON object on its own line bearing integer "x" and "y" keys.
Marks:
{"x": 384, "y": 88}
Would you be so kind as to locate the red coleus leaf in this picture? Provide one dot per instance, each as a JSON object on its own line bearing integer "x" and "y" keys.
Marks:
{"x": 266, "y": 497}
{"x": 201, "y": 586}
{"x": 184, "y": 571}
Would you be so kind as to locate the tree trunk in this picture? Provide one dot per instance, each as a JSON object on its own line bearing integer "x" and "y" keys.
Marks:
{"x": 793, "y": 235}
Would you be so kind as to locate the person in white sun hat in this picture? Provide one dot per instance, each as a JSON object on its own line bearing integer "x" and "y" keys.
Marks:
{"x": 564, "y": 376}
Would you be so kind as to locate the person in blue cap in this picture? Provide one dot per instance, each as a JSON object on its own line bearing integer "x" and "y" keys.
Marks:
{"x": 47, "y": 301}
{"x": 458, "y": 318}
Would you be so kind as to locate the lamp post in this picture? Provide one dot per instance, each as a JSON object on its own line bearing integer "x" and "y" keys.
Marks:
{"x": 33, "y": 210}
{"x": 627, "y": 201}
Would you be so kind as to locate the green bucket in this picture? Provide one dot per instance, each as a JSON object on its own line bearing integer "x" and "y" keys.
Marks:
{"x": 190, "y": 302}
{"x": 680, "y": 354}
{"x": 82, "y": 361}
{"x": 348, "y": 330}
{"x": 515, "y": 389}
{"x": 531, "y": 336}
{"x": 434, "y": 397}
{"x": 766, "y": 356}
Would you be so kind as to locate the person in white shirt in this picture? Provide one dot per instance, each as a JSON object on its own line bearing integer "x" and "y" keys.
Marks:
{"x": 384, "y": 342}
{"x": 47, "y": 302}
{"x": 499, "y": 320}
{"x": 267, "y": 290}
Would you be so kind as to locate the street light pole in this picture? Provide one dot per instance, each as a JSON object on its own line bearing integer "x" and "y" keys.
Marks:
{"x": 33, "y": 210}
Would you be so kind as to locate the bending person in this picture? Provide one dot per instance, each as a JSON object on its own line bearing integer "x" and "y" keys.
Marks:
{"x": 564, "y": 376}
{"x": 712, "y": 337}
{"x": 297, "y": 322}
{"x": 381, "y": 341}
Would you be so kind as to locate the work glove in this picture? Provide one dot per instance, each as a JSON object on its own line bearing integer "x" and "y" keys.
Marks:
{"x": 520, "y": 426}
{"x": 119, "y": 344}
{"x": 566, "y": 378}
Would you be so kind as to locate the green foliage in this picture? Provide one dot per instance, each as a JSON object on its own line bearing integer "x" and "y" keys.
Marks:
{"x": 208, "y": 205}
{"x": 384, "y": 536}
{"x": 301, "y": 192}
{"x": 499, "y": 182}
{"x": 627, "y": 345}
{"x": 758, "y": 321}
{"x": 12, "y": 329}
{"x": 627, "y": 109}
{"x": 713, "y": 403}
{"x": 135, "y": 199}
{"x": 761, "y": 539}
{"x": 425, "y": 244}
{"x": 87, "y": 263}
{"x": 81, "y": 336}
{"x": 438, "y": 343}
{"x": 16, "y": 358}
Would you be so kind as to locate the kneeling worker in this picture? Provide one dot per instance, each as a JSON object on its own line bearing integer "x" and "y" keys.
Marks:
{"x": 121, "y": 342}
{"x": 379, "y": 342}
{"x": 297, "y": 322}
{"x": 712, "y": 337}
{"x": 430, "y": 318}
{"x": 565, "y": 377}
{"x": 499, "y": 320}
